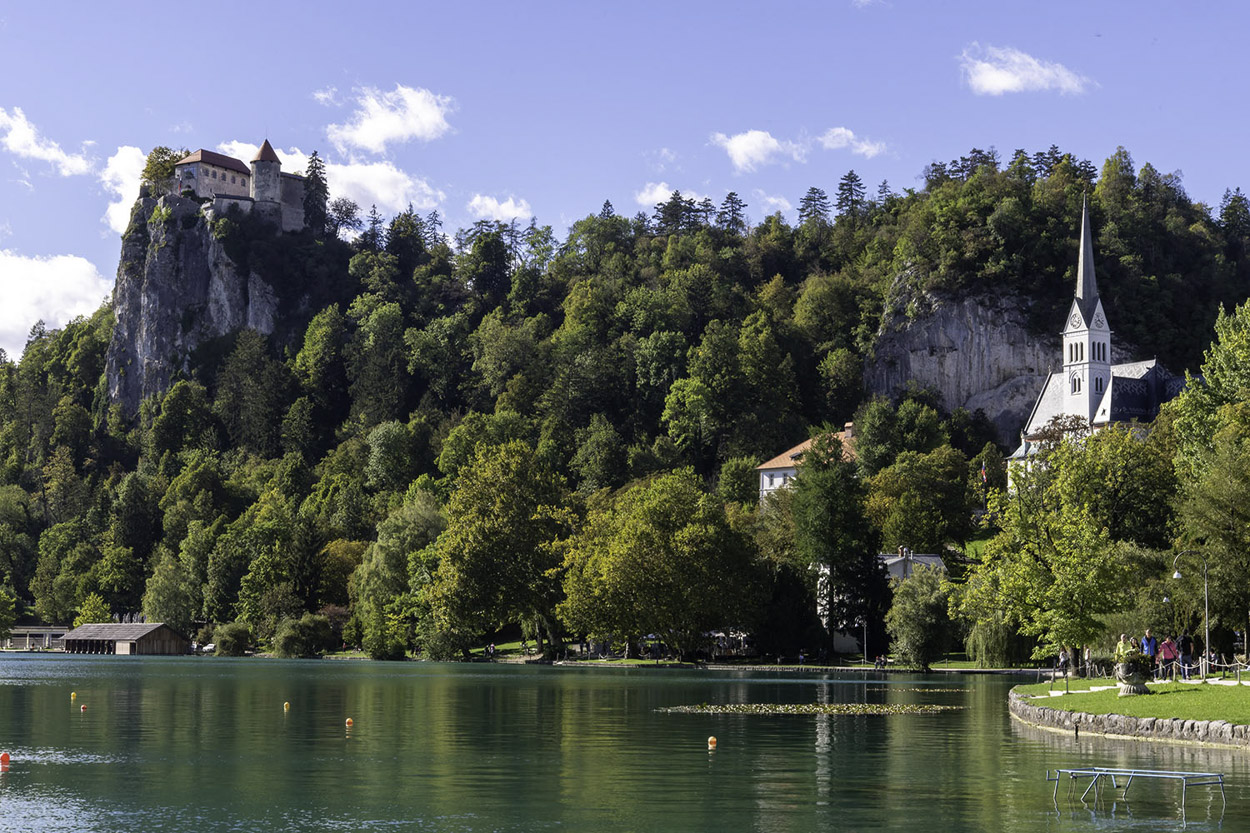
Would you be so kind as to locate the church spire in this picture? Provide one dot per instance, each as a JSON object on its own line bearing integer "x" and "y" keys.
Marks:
{"x": 1086, "y": 283}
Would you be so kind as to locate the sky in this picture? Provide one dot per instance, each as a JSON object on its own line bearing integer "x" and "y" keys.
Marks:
{"x": 544, "y": 110}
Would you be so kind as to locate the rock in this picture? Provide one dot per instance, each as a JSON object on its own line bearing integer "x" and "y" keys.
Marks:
{"x": 976, "y": 353}
{"x": 176, "y": 289}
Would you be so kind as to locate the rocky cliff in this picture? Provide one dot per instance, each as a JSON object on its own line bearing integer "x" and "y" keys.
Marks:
{"x": 176, "y": 289}
{"x": 976, "y": 353}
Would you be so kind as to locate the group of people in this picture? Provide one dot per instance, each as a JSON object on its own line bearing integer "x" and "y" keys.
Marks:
{"x": 1165, "y": 656}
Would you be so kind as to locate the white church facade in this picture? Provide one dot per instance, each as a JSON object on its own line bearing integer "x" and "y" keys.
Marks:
{"x": 1089, "y": 386}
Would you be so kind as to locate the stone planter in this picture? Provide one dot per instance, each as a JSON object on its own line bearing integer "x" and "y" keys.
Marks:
{"x": 1132, "y": 679}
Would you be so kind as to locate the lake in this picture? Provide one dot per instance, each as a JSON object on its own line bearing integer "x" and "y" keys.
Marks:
{"x": 203, "y": 744}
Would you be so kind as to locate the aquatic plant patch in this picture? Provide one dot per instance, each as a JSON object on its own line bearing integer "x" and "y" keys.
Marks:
{"x": 809, "y": 708}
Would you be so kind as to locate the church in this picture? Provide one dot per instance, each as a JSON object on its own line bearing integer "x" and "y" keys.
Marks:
{"x": 1089, "y": 386}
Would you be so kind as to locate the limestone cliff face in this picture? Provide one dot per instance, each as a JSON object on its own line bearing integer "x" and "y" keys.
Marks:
{"x": 176, "y": 288}
{"x": 976, "y": 353}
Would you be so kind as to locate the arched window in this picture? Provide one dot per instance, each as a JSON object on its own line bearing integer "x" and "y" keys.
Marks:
{"x": 1076, "y": 384}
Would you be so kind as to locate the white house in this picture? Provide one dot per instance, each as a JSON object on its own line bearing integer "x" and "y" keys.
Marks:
{"x": 783, "y": 468}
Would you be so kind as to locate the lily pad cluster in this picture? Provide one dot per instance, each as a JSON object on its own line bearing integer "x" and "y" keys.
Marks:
{"x": 810, "y": 708}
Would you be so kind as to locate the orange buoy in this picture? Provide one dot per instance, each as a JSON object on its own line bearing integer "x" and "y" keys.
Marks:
{"x": 351, "y": 722}
{"x": 73, "y": 695}
{"x": 711, "y": 742}
{"x": 286, "y": 707}
{"x": 4, "y": 758}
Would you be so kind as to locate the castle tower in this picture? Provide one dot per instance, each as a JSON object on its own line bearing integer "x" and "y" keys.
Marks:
{"x": 1086, "y": 337}
{"x": 266, "y": 175}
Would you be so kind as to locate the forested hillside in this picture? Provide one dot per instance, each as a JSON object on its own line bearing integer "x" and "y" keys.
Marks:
{"x": 464, "y": 434}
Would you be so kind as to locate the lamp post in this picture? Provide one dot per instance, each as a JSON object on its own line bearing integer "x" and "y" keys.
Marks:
{"x": 1206, "y": 602}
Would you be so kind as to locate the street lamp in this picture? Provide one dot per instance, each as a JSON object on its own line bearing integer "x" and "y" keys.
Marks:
{"x": 1206, "y": 602}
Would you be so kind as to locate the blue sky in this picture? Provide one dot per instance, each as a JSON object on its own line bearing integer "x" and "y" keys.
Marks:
{"x": 547, "y": 109}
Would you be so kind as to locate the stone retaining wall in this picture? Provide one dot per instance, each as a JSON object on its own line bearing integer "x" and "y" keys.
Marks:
{"x": 1219, "y": 732}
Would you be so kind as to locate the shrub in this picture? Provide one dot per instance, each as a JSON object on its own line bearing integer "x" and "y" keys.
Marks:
{"x": 308, "y": 636}
{"x": 233, "y": 640}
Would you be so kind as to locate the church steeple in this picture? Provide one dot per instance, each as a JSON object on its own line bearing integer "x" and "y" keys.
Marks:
{"x": 1086, "y": 283}
{"x": 1086, "y": 336}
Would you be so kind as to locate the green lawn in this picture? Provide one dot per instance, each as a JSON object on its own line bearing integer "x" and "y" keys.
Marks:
{"x": 1045, "y": 688}
{"x": 1182, "y": 700}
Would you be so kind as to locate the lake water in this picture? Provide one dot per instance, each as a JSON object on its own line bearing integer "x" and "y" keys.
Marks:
{"x": 201, "y": 744}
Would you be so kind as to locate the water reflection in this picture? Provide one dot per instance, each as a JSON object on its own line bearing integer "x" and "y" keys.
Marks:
{"x": 186, "y": 744}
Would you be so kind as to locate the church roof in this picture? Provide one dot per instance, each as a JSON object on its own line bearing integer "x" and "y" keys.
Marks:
{"x": 266, "y": 154}
{"x": 1086, "y": 282}
{"x": 1135, "y": 392}
{"x": 218, "y": 159}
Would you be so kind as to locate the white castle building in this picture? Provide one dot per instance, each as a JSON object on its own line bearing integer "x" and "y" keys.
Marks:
{"x": 262, "y": 188}
{"x": 1089, "y": 386}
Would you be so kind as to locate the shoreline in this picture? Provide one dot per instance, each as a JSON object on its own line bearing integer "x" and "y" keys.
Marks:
{"x": 1218, "y": 733}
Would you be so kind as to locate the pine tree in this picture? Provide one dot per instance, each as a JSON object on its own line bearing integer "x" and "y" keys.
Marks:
{"x": 732, "y": 217}
{"x": 814, "y": 207}
{"x": 316, "y": 195}
{"x": 607, "y": 212}
{"x": 372, "y": 239}
{"x": 850, "y": 200}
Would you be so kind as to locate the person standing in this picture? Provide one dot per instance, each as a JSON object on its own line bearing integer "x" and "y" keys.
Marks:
{"x": 1187, "y": 654}
{"x": 1168, "y": 652}
{"x": 1150, "y": 647}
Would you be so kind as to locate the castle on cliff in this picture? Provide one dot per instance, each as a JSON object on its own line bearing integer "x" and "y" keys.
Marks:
{"x": 262, "y": 188}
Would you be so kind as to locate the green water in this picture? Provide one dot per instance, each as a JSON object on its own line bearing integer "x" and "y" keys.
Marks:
{"x": 204, "y": 745}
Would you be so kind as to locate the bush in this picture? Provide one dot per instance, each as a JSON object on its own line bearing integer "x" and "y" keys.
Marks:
{"x": 233, "y": 640}
{"x": 308, "y": 636}
{"x": 918, "y": 621}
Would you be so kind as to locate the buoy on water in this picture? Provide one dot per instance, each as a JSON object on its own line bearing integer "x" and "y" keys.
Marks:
{"x": 4, "y": 760}
{"x": 351, "y": 722}
{"x": 82, "y": 708}
{"x": 711, "y": 743}
{"x": 73, "y": 695}
{"x": 286, "y": 707}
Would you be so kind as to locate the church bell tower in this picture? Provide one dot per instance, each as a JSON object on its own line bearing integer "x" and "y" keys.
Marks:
{"x": 1086, "y": 337}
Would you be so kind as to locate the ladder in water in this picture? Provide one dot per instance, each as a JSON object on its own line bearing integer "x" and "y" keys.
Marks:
{"x": 1122, "y": 779}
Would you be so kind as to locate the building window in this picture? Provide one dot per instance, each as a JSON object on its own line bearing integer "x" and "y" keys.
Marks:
{"x": 232, "y": 179}
{"x": 214, "y": 174}
{"x": 1076, "y": 384}
{"x": 770, "y": 481}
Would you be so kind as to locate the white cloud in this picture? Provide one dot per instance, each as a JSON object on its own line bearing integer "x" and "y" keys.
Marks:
{"x": 53, "y": 289}
{"x": 489, "y": 208}
{"x": 327, "y": 96}
{"x": 837, "y": 138}
{"x": 21, "y": 138}
{"x": 654, "y": 193}
{"x": 770, "y": 203}
{"x": 366, "y": 183}
{"x": 398, "y": 116}
{"x": 121, "y": 178}
{"x": 994, "y": 70}
{"x": 752, "y": 148}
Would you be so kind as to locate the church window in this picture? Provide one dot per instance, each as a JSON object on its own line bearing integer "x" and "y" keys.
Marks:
{"x": 1076, "y": 384}
{"x": 1080, "y": 352}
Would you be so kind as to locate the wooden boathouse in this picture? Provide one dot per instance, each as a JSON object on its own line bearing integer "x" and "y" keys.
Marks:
{"x": 126, "y": 638}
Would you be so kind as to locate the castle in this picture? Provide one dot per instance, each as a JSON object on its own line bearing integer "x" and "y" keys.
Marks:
{"x": 1089, "y": 386}
{"x": 263, "y": 188}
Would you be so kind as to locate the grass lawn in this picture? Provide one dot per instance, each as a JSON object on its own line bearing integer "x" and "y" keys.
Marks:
{"x": 1182, "y": 700}
{"x": 1045, "y": 688}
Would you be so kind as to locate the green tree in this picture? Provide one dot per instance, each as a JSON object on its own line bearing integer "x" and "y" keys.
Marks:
{"x": 661, "y": 558}
{"x": 8, "y": 610}
{"x": 169, "y": 596}
{"x": 833, "y": 536}
{"x": 498, "y": 558}
{"x": 918, "y": 621}
{"x": 158, "y": 168}
{"x": 922, "y": 501}
{"x": 316, "y": 195}
{"x": 93, "y": 609}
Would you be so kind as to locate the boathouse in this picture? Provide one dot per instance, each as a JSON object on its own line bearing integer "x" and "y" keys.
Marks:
{"x": 126, "y": 638}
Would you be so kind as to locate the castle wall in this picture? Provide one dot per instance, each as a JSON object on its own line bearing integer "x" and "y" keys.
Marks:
{"x": 265, "y": 181}
{"x": 292, "y": 200}
{"x": 208, "y": 180}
